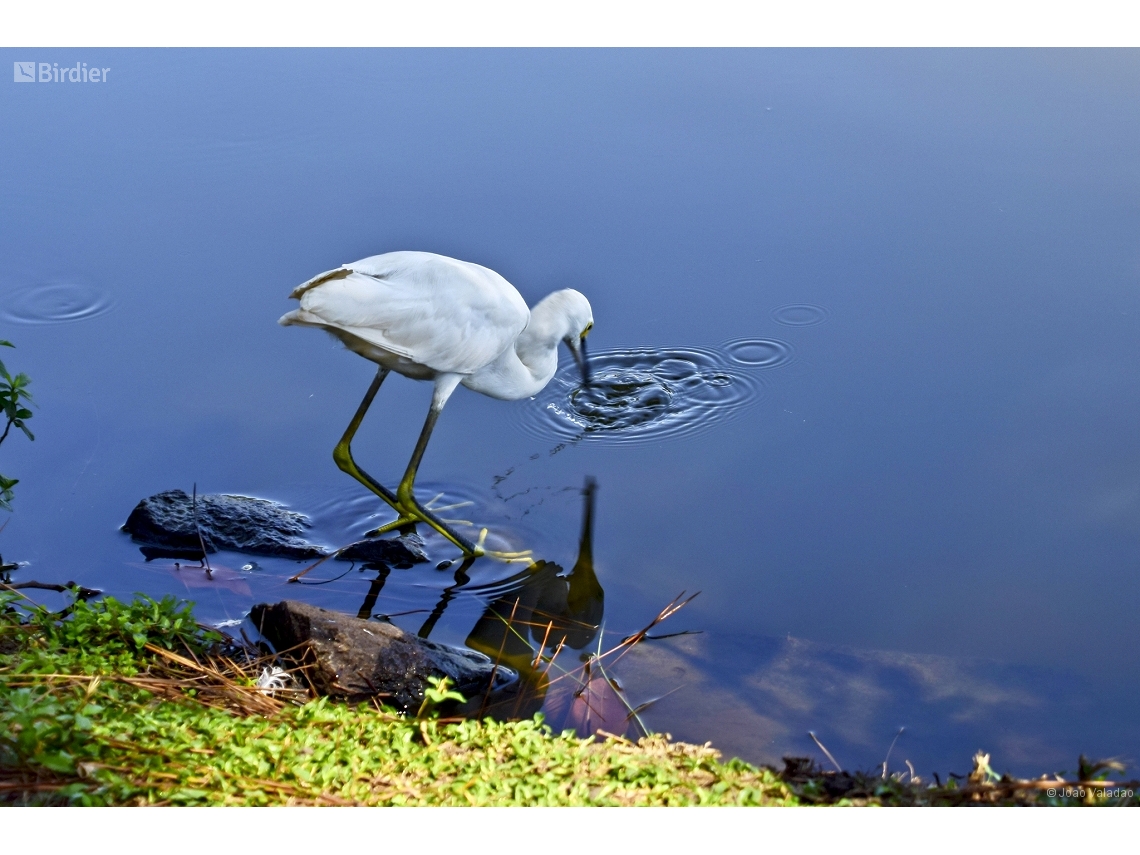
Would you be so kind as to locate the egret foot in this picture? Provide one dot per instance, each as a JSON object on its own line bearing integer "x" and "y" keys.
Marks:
{"x": 526, "y": 555}
{"x": 479, "y": 548}
{"x": 409, "y": 507}
{"x": 405, "y": 520}
{"x": 432, "y": 506}
{"x": 410, "y": 517}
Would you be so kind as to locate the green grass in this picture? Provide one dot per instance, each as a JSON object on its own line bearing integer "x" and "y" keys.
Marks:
{"x": 76, "y": 727}
{"x": 136, "y": 704}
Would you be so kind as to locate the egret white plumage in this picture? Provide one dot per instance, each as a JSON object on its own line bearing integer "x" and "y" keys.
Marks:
{"x": 435, "y": 318}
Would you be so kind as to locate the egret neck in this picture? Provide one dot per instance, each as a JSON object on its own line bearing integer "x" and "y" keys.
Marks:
{"x": 524, "y": 370}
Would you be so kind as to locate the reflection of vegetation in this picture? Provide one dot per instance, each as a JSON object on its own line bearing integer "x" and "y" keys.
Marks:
{"x": 13, "y": 395}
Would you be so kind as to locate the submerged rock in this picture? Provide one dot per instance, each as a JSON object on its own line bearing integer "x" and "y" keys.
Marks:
{"x": 165, "y": 523}
{"x": 358, "y": 659}
{"x": 399, "y": 552}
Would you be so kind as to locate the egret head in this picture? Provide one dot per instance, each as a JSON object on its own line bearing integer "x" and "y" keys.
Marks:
{"x": 580, "y": 320}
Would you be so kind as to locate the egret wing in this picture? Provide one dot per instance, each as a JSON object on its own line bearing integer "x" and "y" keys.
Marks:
{"x": 448, "y": 315}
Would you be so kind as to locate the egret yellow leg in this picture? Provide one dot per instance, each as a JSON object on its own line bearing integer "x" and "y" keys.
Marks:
{"x": 342, "y": 454}
{"x": 405, "y": 497}
{"x": 394, "y": 525}
{"x": 403, "y": 501}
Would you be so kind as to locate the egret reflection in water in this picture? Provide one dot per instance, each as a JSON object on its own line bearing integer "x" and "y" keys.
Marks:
{"x": 540, "y": 613}
{"x": 541, "y": 603}
{"x": 542, "y": 607}
{"x": 531, "y": 617}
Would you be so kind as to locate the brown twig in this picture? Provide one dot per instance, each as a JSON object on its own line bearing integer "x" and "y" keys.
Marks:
{"x": 498, "y": 658}
{"x": 834, "y": 763}
{"x": 68, "y": 587}
{"x": 541, "y": 647}
{"x": 314, "y": 565}
{"x": 630, "y": 640}
{"x": 198, "y": 531}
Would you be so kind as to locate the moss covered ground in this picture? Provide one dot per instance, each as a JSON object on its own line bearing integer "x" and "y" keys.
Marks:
{"x": 136, "y": 704}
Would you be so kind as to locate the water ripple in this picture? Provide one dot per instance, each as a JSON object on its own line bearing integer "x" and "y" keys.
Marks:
{"x": 55, "y": 303}
{"x": 759, "y": 352}
{"x": 343, "y": 514}
{"x": 800, "y": 315}
{"x": 646, "y": 394}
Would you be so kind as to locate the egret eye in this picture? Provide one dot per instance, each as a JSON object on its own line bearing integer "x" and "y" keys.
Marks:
{"x": 586, "y": 331}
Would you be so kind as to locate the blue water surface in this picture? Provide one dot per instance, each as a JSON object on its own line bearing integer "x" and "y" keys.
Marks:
{"x": 901, "y": 290}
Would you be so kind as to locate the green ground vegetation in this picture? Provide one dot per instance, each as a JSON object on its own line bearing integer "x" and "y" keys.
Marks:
{"x": 136, "y": 704}
{"x": 13, "y": 396}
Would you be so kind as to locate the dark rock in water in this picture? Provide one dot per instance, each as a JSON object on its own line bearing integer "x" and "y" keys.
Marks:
{"x": 256, "y": 526}
{"x": 358, "y": 659}
{"x": 399, "y": 552}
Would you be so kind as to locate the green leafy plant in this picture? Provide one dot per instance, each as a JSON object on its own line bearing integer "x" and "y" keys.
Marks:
{"x": 437, "y": 694}
{"x": 13, "y": 396}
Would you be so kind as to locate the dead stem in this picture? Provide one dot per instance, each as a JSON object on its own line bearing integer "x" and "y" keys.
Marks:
{"x": 822, "y": 748}
{"x": 499, "y": 657}
{"x": 630, "y": 640}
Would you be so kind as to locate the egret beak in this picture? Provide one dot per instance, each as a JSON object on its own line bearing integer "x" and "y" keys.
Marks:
{"x": 578, "y": 350}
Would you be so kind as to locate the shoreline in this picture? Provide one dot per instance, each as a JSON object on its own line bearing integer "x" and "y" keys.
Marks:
{"x": 137, "y": 704}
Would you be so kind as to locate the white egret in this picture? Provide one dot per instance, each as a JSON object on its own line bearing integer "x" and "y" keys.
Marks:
{"x": 435, "y": 318}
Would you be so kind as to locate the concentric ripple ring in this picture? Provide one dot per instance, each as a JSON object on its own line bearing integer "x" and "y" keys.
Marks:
{"x": 642, "y": 395}
{"x": 759, "y": 352}
{"x": 55, "y": 303}
{"x": 800, "y": 315}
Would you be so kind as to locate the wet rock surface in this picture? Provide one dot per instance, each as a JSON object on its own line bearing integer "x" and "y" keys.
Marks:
{"x": 358, "y": 659}
{"x": 399, "y": 552}
{"x": 165, "y": 523}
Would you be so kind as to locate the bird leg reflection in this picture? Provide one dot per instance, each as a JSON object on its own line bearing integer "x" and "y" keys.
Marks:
{"x": 382, "y": 571}
{"x": 449, "y": 593}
